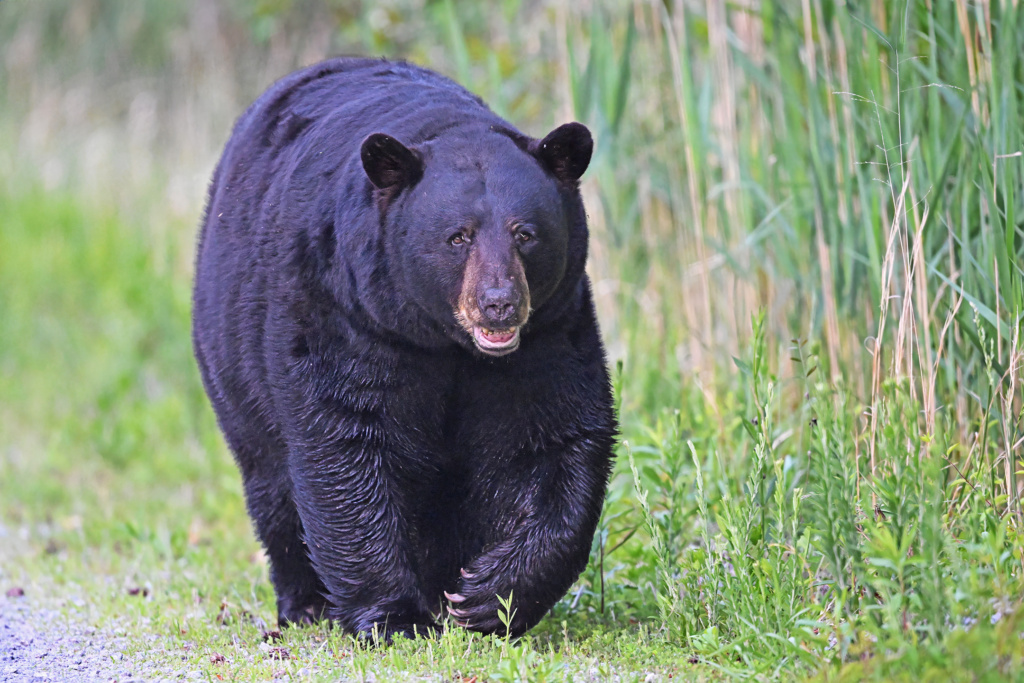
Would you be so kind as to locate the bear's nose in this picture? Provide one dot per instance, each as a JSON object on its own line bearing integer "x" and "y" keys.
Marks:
{"x": 498, "y": 304}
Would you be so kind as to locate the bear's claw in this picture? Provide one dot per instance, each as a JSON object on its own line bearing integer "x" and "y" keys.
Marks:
{"x": 454, "y": 597}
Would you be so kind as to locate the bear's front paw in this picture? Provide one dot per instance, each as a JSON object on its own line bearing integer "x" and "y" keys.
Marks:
{"x": 383, "y": 632}
{"x": 381, "y": 623}
{"x": 489, "y": 602}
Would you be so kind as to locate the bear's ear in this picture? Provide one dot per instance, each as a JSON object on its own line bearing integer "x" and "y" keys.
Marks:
{"x": 565, "y": 151}
{"x": 389, "y": 164}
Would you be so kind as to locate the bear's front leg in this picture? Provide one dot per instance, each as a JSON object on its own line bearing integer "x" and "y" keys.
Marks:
{"x": 342, "y": 461}
{"x": 546, "y": 549}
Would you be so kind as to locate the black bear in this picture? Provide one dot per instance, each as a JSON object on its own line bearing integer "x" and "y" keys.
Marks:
{"x": 394, "y": 327}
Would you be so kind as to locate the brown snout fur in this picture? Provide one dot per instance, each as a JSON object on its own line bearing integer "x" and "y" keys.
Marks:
{"x": 498, "y": 269}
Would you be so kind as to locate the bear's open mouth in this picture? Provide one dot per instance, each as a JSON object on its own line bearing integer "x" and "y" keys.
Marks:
{"x": 496, "y": 342}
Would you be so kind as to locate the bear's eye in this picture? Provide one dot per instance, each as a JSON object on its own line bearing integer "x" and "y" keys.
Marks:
{"x": 524, "y": 236}
{"x": 457, "y": 239}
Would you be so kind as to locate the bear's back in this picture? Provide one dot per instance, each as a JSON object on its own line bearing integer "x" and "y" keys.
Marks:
{"x": 343, "y": 100}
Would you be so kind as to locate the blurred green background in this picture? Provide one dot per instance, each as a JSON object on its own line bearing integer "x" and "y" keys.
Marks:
{"x": 807, "y": 246}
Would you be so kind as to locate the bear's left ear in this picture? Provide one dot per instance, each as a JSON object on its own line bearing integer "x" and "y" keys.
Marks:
{"x": 389, "y": 164}
{"x": 565, "y": 151}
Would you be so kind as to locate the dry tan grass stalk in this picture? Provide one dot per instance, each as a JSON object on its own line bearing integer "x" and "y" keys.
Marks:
{"x": 888, "y": 264}
{"x": 906, "y": 330}
{"x": 972, "y": 68}
{"x": 924, "y": 327}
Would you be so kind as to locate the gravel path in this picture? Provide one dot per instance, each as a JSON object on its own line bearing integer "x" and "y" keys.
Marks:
{"x": 43, "y": 639}
{"x": 40, "y": 644}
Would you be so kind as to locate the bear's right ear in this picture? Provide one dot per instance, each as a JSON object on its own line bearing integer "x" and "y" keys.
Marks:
{"x": 565, "y": 151}
{"x": 389, "y": 164}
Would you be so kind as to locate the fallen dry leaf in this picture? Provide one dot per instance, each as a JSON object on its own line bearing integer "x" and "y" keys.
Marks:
{"x": 279, "y": 653}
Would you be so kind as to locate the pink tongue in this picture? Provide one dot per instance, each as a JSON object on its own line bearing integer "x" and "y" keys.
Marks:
{"x": 499, "y": 337}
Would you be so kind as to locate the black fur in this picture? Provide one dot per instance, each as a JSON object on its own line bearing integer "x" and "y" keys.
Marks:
{"x": 386, "y": 457}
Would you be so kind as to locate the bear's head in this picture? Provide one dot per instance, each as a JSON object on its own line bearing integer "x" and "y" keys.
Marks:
{"x": 483, "y": 226}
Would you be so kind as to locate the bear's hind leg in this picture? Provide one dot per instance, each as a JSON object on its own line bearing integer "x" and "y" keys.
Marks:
{"x": 300, "y": 592}
{"x": 268, "y": 492}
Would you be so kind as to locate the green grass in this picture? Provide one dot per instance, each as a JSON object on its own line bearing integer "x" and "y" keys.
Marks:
{"x": 807, "y": 249}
